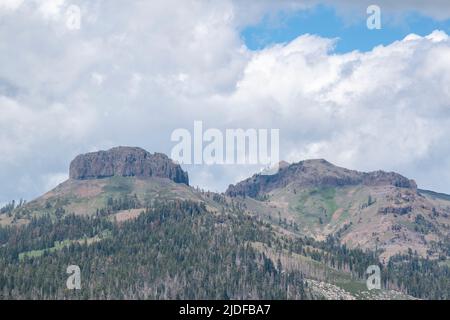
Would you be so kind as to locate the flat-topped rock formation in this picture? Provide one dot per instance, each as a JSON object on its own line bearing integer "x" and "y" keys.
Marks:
{"x": 126, "y": 162}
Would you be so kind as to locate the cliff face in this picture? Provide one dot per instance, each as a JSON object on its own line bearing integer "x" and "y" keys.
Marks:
{"x": 316, "y": 173}
{"x": 126, "y": 162}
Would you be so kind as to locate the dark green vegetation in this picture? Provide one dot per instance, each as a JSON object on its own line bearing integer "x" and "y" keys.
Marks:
{"x": 309, "y": 231}
{"x": 172, "y": 251}
{"x": 379, "y": 211}
{"x": 180, "y": 250}
{"x": 422, "y": 278}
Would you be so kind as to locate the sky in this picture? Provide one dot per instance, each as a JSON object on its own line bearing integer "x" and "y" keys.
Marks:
{"x": 132, "y": 72}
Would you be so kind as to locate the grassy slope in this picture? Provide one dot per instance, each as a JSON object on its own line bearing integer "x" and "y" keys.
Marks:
{"x": 86, "y": 196}
{"x": 316, "y": 211}
{"x": 312, "y": 209}
{"x": 354, "y": 213}
{"x": 63, "y": 244}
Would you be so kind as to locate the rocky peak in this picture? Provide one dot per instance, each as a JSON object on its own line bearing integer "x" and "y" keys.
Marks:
{"x": 126, "y": 162}
{"x": 315, "y": 173}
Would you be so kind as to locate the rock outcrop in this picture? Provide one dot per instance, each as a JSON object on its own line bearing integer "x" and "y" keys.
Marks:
{"x": 316, "y": 173}
{"x": 126, "y": 162}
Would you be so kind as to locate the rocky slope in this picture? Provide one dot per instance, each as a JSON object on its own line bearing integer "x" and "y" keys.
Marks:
{"x": 115, "y": 174}
{"x": 377, "y": 210}
{"x": 380, "y": 211}
{"x": 316, "y": 173}
{"x": 126, "y": 162}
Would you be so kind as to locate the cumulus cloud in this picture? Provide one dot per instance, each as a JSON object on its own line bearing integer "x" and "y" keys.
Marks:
{"x": 136, "y": 71}
{"x": 387, "y": 108}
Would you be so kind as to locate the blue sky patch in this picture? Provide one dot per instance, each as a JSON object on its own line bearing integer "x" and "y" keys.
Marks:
{"x": 325, "y": 22}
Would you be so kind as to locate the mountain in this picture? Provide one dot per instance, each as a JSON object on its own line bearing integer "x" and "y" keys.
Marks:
{"x": 124, "y": 174}
{"x": 137, "y": 230}
{"x": 312, "y": 173}
{"x": 126, "y": 162}
{"x": 376, "y": 210}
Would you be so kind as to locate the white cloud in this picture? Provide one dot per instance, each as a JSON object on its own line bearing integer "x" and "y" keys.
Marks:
{"x": 10, "y": 5}
{"x": 50, "y": 9}
{"x": 387, "y": 108}
{"x": 122, "y": 81}
{"x": 97, "y": 78}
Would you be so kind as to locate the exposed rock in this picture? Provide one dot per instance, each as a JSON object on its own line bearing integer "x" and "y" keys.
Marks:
{"x": 126, "y": 162}
{"x": 396, "y": 210}
{"x": 316, "y": 173}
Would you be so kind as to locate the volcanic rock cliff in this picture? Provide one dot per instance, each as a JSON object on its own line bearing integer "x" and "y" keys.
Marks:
{"x": 126, "y": 162}
{"x": 314, "y": 173}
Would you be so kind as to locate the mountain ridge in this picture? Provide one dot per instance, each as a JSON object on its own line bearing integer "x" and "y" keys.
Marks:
{"x": 315, "y": 198}
{"x": 312, "y": 220}
{"x": 316, "y": 172}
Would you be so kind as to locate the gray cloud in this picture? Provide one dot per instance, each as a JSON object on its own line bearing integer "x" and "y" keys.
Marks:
{"x": 438, "y": 9}
{"x": 136, "y": 71}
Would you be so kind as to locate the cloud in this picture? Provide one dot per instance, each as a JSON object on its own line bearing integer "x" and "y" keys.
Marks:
{"x": 50, "y": 9}
{"x": 387, "y": 108}
{"x": 10, "y": 5}
{"x": 437, "y": 9}
{"x": 123, "y": 81}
